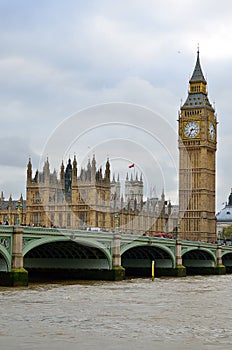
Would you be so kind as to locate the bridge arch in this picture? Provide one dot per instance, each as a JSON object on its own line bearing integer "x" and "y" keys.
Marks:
{"x": 139, "y": 255}
{"x": 65, "y": 253}
{"x": 5, "y": 259}
{"x": 199, "y": 258}
{"x": 227, "y": 261}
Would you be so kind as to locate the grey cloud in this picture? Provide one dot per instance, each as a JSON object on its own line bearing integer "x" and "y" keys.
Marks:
{"x": 15, "y": 152}
{"x": 58, "y": 57}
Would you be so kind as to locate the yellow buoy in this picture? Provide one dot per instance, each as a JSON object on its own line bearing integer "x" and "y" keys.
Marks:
{"x": 153, "y": 270}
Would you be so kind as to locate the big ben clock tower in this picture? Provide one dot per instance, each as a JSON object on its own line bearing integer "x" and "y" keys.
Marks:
{"x": 197, "y": 151}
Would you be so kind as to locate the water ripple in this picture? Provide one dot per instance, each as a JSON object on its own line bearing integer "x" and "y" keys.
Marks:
{"x": 131, "y": 314}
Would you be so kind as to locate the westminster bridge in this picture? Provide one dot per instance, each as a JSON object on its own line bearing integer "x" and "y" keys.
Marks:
{"x": 54, "y": 253}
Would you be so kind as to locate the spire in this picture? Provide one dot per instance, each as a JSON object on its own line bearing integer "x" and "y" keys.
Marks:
{"x": 88, "y": 171}
{"x": 74, "y": 170}
{"x": 197, "y": 94}
{"x": 29, "y": 171}
{"x": 68, "y": 179}
{"x": 29, "y": 166}
{"x": 163, "y": 196}
{"x": 74, "y": 161}
{"x": 197, "y": 75}
{"x": 93, "y": 169}
{"x": 107, "y": 171}
{"x": 62, "y": 171}
{"x": 54, "y": 177}
{"x": 10, "y": 202}
{"x": 46, "y": 170}
{"x": 94, "y": 162}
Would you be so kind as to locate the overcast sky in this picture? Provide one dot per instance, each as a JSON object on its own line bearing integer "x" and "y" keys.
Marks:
{"x": 58, "y": 58}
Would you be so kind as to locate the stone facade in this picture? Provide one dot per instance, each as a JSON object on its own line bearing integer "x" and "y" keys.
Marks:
{"x": 89, "y": 199}
{"x": 12, "y": 212}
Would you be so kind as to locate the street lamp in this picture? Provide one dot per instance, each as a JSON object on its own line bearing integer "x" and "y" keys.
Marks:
{"x": 18, "y": 207}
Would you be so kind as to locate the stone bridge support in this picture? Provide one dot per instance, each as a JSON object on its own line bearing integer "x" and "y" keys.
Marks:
{"x": 117, "y": 269}
{"x": 220, "y": 269}
{"x": 17, "y": 276}
{"x": 180, "y": 269}
{"x": 17, "y": 248}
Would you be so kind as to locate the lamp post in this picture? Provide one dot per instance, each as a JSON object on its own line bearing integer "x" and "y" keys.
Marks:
{"x": 18, "y": 207}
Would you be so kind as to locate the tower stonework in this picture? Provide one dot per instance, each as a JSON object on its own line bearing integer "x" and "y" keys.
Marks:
{"x": 197, "y": 157}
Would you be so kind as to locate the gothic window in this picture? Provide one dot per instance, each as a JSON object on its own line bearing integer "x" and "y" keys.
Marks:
{"x": 37, "y": 197}
{"x": 82, "y": 219}
{"x": 60, "y": 196}
{"x": 68, "y": 219}
{"x": 83, "y": 195}
{"x": 37, "y": 219}
{"x": 96, "y": 219}
{"x": 60, "y": 219}
{"x": 52, "y": 219}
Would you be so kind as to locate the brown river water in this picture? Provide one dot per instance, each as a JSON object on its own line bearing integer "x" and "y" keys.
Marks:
{"x": 169, "y": 313}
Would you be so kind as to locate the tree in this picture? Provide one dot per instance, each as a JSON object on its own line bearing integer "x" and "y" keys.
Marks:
{"x": 227, "y": 232}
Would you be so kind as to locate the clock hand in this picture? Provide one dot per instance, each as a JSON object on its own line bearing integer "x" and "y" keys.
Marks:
{"x": 191, "y": 130}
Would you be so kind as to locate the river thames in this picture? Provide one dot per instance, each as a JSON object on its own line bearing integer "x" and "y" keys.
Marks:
{"x": 169, "y": 313}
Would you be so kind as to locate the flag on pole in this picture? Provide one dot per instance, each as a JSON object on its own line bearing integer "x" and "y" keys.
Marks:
{"x": 131, "y": 166}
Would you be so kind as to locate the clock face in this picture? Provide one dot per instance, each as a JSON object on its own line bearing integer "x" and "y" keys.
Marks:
{"x": 191, "y": 129}
{"x": 211, "y": 131}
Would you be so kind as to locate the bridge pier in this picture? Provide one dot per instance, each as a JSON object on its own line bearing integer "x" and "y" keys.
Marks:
{"x": 17, "y": 276}
{"x": 118, "y": 272}
{"x": 180, "y": 270}
{"x": 220, "y": 269}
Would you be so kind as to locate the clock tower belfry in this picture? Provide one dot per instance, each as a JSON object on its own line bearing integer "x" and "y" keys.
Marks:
{"x": 197, "y": 158}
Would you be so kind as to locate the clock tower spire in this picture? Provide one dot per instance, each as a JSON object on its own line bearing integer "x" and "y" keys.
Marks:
{"x": 197, "y": 154}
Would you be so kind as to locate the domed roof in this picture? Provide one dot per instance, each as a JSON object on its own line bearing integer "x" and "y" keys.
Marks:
{"x": 225, "y": 215}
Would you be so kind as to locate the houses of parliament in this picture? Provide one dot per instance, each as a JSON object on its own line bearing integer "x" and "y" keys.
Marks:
{"x": 91, "y": 198}
{"x": 88, "y": 200}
